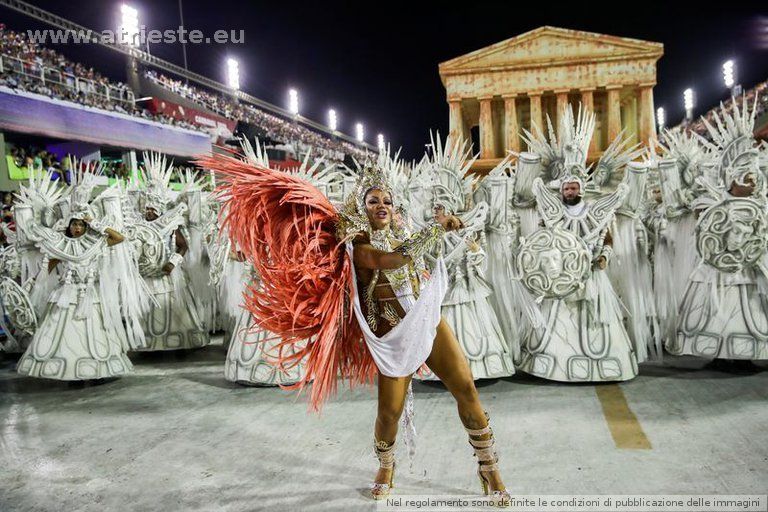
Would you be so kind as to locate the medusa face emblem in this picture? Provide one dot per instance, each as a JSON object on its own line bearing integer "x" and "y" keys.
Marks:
{"x": 731, "y": 235}
{"x": 554, "y": 263}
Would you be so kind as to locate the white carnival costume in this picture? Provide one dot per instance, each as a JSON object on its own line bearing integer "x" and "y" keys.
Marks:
{"x": 25, "y": 298}
{"x": 682, "y": 162}
{"x": 583, "y": 338}
{"x": 200, "y": 228}
{"x": 17, "y": 315}
{"x": 173, "y": 321}
{"x": 440, "y": 181}
{"x": 724, "y": 312}
{"x": 502, "y": 235}
{"x": 92, "y": 317}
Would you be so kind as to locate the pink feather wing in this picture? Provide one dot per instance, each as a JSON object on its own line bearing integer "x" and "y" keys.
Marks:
{"x": 286, "y": 228}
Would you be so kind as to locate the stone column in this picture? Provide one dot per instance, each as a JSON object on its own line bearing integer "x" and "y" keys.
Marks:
{"x": 646, "y": 124}
{"x": 487, "y": 146}
{"x": 614, "y": 112}
{"x": 511, "y": 126}
{"x": 455, "y": 120}
{"x": 588, "y": 103}
{"x": 535, "y": 98}
{"x": 562, "y": 104}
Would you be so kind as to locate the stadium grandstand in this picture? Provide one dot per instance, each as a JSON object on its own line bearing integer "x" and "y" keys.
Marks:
{"x": 759, "y": 91}
{"x": 53, "y": 109}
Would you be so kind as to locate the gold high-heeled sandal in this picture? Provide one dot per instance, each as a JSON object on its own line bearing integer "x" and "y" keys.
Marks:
{"x": 487, "y": 461}
{"x": 386, "y": 454}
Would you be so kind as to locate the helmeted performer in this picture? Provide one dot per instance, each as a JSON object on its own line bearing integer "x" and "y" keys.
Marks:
{"x": 681, "y": 162}
{"x": 562, "y": 264}
{"x": 173, "y": 321}
{"x": 17, "y": 315}
{"x": 198, "y": 230}
{"x": 502, "y": 234}
{"x": 724, "y": 312}
{"x": 39, "y": 204}
{"x": 467, "y": 309}
{"x": 350, "y": 286}
{"x": 87, "y": 327}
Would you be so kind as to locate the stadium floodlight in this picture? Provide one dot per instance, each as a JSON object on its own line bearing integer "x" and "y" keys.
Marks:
{"x": 359, "y": 132}
{"x": 233, "y": 73}
{"x": 730, "y": 77}
{"x": 688, "y": 100}
{"x": 332, "y": 121}
{"x": 729, "y": 73}
{"x": 380, "y": 141}
{"x": 129, "y": 25}
{"x": 661, "y": 119}
{"x": 293, "y": 102}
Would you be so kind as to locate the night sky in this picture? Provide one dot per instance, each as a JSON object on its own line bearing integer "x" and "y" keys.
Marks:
{"x": 376, "y": 62}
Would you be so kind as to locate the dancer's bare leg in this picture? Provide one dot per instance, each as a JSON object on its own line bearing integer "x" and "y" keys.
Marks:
{"x": 392, "y": 393}
{"x": 450, "y": 365}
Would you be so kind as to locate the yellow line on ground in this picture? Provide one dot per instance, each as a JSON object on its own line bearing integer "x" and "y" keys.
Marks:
{"x": 625, "y": 429}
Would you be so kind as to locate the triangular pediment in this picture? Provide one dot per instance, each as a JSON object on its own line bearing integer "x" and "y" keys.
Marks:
{"x": 550, "y": 46}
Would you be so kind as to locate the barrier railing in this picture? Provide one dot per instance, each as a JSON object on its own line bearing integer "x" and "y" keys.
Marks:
{"x": 50, "y": 75}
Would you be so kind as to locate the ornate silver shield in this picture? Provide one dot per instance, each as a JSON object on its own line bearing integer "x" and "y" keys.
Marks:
{"x": 731, "y": 235}
{"x": 16, "y": 303}
{"x": 153, "y": 249}
{"x": 554, "y": 263}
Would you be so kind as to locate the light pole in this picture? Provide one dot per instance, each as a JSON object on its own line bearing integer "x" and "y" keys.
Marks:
{"x": 359, "y": 132}
{"x": 184, "y": 43}
{"x": 380, "y": 141}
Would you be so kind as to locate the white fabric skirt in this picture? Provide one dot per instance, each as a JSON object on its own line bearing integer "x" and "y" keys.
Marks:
{"x": 403, "y": 350}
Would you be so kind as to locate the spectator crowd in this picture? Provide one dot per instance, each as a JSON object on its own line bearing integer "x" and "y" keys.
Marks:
{"x": 28, "y": 66}
{"x": 271, "y": 127}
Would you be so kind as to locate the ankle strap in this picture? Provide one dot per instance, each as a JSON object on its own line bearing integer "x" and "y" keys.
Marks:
{"x": 488, "y": 468}
{"x": 485, "y": 449}
{"x": 385, "y": 453}
{"x": 481, "y": 431}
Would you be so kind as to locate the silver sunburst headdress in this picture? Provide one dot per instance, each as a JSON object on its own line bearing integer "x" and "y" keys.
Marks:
{"x": 76, "y": 202}
{"x": 156, "y": 175}
{"x": 733, "y": 138}
{"x": 444, "y": 171}
{"x": 564, "y": 155}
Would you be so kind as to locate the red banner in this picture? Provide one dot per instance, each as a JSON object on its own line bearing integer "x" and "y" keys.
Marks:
{"x": 217, "y": 126}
